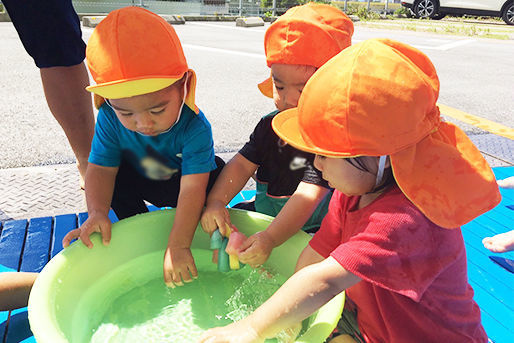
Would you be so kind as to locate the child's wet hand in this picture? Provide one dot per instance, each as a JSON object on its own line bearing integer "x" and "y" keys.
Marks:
{"x": 215, "y": 216}
{"x": 178, "y": 267}
{"x": 256, "y": 249}
{"x": 95, "y": 223}
{"x": 237, "y": 332}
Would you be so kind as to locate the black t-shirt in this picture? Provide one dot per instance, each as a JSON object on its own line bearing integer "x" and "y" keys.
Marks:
{"x": 281, "y": 166}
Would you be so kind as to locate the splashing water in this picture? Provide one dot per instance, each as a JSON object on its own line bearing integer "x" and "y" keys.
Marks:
{"x": 148, "y": 311}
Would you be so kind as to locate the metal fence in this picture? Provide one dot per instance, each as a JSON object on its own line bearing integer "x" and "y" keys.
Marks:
{"x": 161, "y": 7}
{"x": 188, "y": 7}
{"x": 215, "y": 7}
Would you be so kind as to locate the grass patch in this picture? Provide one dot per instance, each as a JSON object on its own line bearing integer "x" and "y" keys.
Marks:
{"x": 441, "y": 27}
{"x": 374, "y": 6}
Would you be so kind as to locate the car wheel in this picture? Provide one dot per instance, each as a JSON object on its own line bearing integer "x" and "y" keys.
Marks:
{"x": 508, "y": 14}
{"x": 426, "y": 8}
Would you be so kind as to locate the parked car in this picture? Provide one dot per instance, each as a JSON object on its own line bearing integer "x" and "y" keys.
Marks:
{"x": 437, "y": 9}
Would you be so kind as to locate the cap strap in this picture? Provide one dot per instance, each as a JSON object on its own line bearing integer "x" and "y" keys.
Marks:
{"x": 380, "y": 173}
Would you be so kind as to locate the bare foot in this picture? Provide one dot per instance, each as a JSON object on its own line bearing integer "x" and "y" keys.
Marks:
{"x": 507, "y": 183}
{"x": 502, "y": 242}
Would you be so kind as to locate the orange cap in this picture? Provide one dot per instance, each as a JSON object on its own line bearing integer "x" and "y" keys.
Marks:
{"x": 379, "y": 98}
{"x": 310, "y": 35}
{"x": 134, "y": 51}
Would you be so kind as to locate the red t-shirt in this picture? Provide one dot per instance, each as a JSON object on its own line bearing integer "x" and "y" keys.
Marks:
{"x": 414, "y": 284}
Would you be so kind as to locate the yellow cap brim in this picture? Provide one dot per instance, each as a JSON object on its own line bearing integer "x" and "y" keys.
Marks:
{"x": 129, "y": 88}
{"x": 266, "y": 87}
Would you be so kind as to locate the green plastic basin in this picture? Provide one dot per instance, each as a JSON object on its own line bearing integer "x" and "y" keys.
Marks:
{"x": 53, "y": 310}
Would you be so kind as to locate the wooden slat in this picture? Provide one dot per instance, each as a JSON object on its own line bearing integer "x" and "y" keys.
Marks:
{"x": 82, "y": 218}
{"x": 113, "y": 217}
{"x": 479, "y": 256}
{"x": 62, "y": 225}
{"x": 248, "y": 195}
{"x": 11, "y": 243}
{"x": 37, "y": 245}
{"x": 3, "y": 314}
{"x": 503, "y": 172}
{"x": 3, "y": 324}
{"x": 498, "y": 328}
{"x": 483, "y": 227}
{"x": 493, "y": 285}
{"x": 497, "y": 289}
{"x": 19, "y": 329}
{"x": 237, "y": 199}
{"x": 11, "y": 246}
{"x": 496, "y": 331}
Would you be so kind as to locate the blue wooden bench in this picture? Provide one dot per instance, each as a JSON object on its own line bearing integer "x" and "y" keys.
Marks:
{"x": 27, "y": 245}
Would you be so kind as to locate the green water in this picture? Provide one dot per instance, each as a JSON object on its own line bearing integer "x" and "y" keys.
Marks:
{"x": 127, "y": 308}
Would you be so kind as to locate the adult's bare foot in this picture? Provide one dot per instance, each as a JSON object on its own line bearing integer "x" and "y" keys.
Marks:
{"x": 502, "y": 242}
{"x": 507, "y": 183}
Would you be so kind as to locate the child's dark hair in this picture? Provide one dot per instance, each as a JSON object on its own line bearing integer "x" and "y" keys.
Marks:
{"x": 388, "y": 178}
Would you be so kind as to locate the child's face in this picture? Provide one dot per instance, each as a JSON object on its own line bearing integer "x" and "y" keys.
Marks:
{"x": 347, "y": 178}
{"x": 153, "y": 113}
{"x": 288, "y": 83}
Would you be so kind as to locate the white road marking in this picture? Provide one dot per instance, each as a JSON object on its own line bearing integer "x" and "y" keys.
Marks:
{"x": 239, "y": 28}
{"x": 443, "y": 47}
{"x": 224, "y": 51}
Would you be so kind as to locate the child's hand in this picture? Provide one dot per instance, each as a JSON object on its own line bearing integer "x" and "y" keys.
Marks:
{"x": 96, "y": 222}
{"x": 256, "y": 249}
{"x": 178, "y": 266}
{"x": 215, "y": 216}
{"x": 238, "y": 332}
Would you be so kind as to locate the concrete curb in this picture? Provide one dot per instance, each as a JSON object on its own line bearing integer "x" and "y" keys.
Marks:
{"x": 4, "y": 17}
{"x": 249, "y": 22}
{"x": 93, "y": 21}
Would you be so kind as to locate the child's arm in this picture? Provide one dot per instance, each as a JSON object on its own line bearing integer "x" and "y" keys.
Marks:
{"x": 178, "y": 260}
{"x": 231, "y": 180}
{"x": 293, "y": 216}
{"x": 307, "y": 257}
{"x": 99, "y": 188}
{"x": 15, "y": 289}
{"x": 301, "y": 295}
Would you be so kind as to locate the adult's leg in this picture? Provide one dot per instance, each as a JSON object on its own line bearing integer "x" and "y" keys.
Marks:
{"x": 71, "y": 106}
{"x": 50, "y": 32}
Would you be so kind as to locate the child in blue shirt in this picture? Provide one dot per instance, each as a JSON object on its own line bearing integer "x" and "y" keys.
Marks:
{"x": 151, "y": 142}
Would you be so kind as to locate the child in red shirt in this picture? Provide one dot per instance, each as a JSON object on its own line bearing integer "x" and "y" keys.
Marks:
{"x": 391, "y": 238}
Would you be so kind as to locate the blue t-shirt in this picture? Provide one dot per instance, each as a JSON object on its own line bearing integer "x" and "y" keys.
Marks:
{"x": 187, "y": 147}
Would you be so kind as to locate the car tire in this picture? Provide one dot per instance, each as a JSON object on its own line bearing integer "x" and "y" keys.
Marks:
{"x": 426, "y": 8}
{"x": 508, "y": 13}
